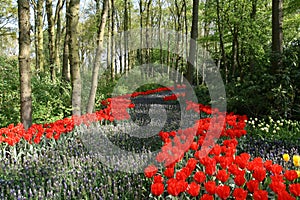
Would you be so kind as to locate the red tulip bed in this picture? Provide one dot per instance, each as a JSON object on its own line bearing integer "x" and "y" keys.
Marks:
{"x": 183, "y": 169}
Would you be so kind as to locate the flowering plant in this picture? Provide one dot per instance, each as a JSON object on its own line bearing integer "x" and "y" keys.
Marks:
{"x": 221, "y": 173}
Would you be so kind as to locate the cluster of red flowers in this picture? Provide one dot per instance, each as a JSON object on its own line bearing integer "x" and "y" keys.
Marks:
{"x": 220, "y": 173}
{"x": 115, "y": 109}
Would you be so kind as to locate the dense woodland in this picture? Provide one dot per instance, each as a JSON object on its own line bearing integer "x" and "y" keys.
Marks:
{"x": 50, "y": 49}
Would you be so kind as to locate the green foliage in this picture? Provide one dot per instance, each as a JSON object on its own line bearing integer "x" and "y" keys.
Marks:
{"x": 9, "y": 91}
{"x": 259, "y": 93}
{"x": 271, "y": 129}
{"x": 291, "y": 63}
{"x": 8, "y": 15}
{"x": 51, "y": 100}
{"x": 202, "y": 94}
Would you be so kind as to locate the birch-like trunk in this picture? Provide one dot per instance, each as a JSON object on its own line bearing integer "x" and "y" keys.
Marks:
{"x": 97, "y": 61}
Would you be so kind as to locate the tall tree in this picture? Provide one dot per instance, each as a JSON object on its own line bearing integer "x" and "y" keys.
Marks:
{"x": 73, "y": 15}
{"x": 235, "y": 42}
{"x": 97, "y": 61}
{"x": 39, "y": 34}
{"x": 277, "y": 36}
{"x": 57, "y": 21}
{"x": 194, "y": 35}
{"x": 66, "y": 75}
{"x": 51, "y": 37}
{"x": 24, "y": 62}
{"x": 221, "y": 38}
{"x": 112, "y": 42}
{"x": 126, "y": 54}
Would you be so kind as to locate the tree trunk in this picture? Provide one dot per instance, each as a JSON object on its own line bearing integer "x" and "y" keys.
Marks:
{"x": 147, "y": 55}
{"x": 40, "y": 36}
{"x": 66, "y": 75}
{"x": 220, "y": 29}
{"x": 51, "y": 38}
{"x": 160, "y": 33}
{"x": 112, "y": 40}
{"x": 131, "y": 56}
{"x": 277, "y": 36}
{"x": 24, "y": 62}
{"x": 234, "y": 59}
{"x": 194, "y": 35}
{"x": 109, "y": 40}
{"x": 178, "y": 29}
{"x": 252, "y": 52}
{"x": 141, "y": 33}
{"x": 97, "y": 61}
{"x": 57, "y": 21}
{"x": 73, "y": 15}
{"x": 126, "y": 52}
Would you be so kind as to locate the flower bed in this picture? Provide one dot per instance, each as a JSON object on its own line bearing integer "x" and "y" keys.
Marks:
{"x": 48, "y": 161}
{"x": 221, "y": 174}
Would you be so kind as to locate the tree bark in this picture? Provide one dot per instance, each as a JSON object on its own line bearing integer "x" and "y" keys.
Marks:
{"x": 109, "y": 45}
{"x": 235, "y": 50}
{"x": 66, "y": 75}
{"x": 73, "y": 15}
{"x": 126, "y": 52}
{"x": 221, "y": 35}
{"x": 277, "y": 36}
{"x": 51, "y": 38}
{"x": 24, "y": 62}
{"x": 112, "y": 40}
{"x": 97, "y": 61}
{"x": 141, "y": 10}
{"x": 194, "y": 35}
{"x": 131, "y": 56}
{"x": 57, "y": 21}
{"x": 252, "y": 52}
{"x": 39, "y": 35}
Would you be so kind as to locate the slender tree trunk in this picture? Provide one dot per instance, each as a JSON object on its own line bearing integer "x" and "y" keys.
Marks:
{"x": 40, "y": 36}
{"x": 35, "y": 37}
{"x": 220, "y": 29}
{"x": 51, "y": 37}
{"x": 141, "y": 33}
{"x": 252, "y": 52}
{"x": 178, "y": 40}
{"x": 113, "y": 53}
{"x": 160, "y": 33}
{"x": 24, "y": 62}
{"x": 206, "y": 44}
{"x": 131, "y": 57}
{"x": 194, "y": 36}
{"x": 235, "y": 50}
{"x": 73, "y": 15}
{"x": 66, "y": 75}
{"x": 147, "y": 50}
{"x": 126, "y": 54}
{"x": 57, "y": 21}
{"x": 109, "y": 45}
{"x": 168, "y": 55}
{"x": 116, "y": 63}
{"x": 97, "y": 61}
{"x": 277, "y": 36}
{"x": 186, "y": 30}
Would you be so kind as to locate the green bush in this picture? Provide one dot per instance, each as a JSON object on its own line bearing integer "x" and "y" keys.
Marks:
{"x": 9, "y": 91}
{"x": 51, "y": 100}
